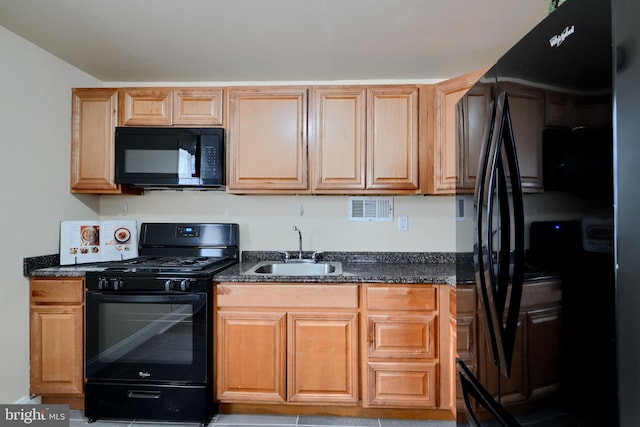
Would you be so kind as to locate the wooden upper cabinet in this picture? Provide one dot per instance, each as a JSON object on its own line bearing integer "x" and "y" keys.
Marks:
{"x": 267, "y": 140}
{"x": 171, "y": 106}
{"x": 94, "y": 117}
{"x": 197, "y": 106}
{"x": 526, "y": 106}
{"x": 340, "y": 138}
{"x": 457, "y": 136}
{"x": 392, "y": 139}
{"x": 366, "y": 139}
{"x": 146, "y": 106}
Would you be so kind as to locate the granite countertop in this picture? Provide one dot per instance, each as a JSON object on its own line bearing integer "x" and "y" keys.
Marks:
{"x": 353, "y": 272}
{"x": 357, "y": 267}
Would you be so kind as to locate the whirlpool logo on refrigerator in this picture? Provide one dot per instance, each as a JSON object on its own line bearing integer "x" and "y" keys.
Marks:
{"x": 143, "y": 374}
{"x": 558, "y": 39}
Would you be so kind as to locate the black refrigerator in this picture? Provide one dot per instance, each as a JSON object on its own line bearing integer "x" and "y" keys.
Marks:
{"x": 556, "y": 200}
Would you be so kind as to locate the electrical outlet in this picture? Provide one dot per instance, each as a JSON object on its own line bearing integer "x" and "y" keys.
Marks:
{"x": 403, "y": 223}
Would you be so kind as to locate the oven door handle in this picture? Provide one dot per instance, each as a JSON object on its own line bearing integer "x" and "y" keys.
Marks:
{"x": 158, "y": 297}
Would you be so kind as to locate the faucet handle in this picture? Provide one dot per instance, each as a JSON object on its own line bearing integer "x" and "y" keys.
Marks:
{"x": 285, "y": 254}
{"x": 315, "y": 255}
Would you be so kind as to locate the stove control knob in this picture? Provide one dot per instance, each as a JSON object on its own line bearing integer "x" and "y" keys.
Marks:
{"x": 185, "y": 285}
{"x": 169, "y": 285}
{"x": 103, "y": 283}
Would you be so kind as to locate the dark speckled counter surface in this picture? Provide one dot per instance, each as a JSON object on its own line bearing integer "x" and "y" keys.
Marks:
{"x": 357, "y": 267}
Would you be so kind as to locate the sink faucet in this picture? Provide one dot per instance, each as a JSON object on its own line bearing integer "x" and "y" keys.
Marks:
{"x": 299, "y": 241}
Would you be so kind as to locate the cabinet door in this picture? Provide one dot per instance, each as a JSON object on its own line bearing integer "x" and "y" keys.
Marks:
{"x": 392, "y": 138}
{"x": 514, "y": 390}
{"x": 544, "y": 335}
{"x": 146, "y": 106}
{"x": 57, "y": 349}
{"x": 527, "y": 118}
{"x": 457, "y": 134}
{"x": 323, "y": 357}
{"x": 340, "y": 138}
{"x": 267, "y": 140}
{"x": 94, "y": 119}
{"x": 251, "y": 356}
{"x": 197, "y": 106}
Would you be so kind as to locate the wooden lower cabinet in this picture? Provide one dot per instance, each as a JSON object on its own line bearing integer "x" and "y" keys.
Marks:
{"x": 322, "y": 365}
{"x": 406, "y": 357}
{"x": 252, "y": 356}
{"x": 367, "y": 350}
{"x": 534, "y": 373}
{"x": 287, "y": 343}
{"x": 57, "y": 337}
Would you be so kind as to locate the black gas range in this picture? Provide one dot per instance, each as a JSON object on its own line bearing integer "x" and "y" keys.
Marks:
{"x": 149, "y": 326}
{"x": 173, "y": 257}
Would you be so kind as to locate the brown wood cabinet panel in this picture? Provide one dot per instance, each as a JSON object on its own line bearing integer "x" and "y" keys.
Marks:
{"x": 340, "y": 137}
{"x": 527, "y": 118}
{"x": 514, "y": 389}
{"x": 535, "y": 374}
{"x": 251, "y": 356}
{"x": 267, "y": 139}
{"x": 56, "y": 336}
{"x": 402, "y": 384}
{"x": 456, "y": 140}
{"x": 402, "y": 298}
{"x": 392, "y": 138}
{"x": 403, "y": 336}
{"x": 56, "y": 291}
{"x": 57, "y": 349}
{"x": 323, "y": 357}
{"x": 544, "y": 338}
{"x": 290, "y": 295}
{"x": 94, "y": 117}
{"x": 197, "y": 106}
{"x": 146, "y": 106}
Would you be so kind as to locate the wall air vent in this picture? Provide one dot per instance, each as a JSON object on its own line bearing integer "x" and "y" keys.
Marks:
{"x": 371, "y": 209}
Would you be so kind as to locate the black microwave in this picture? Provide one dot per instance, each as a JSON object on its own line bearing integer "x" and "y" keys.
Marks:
{"x": 170, "y": 157}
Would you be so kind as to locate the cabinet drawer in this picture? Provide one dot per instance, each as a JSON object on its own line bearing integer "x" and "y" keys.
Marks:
{"x": 406, "y": 336}
{"x": 321, "y": 295}
{"x": 56, "y": 291}
{"x": 402, "y": 384}
{"x": 402, "y": 298}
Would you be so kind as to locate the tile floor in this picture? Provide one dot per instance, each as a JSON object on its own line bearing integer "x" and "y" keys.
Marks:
{"x": 77, "y": 419}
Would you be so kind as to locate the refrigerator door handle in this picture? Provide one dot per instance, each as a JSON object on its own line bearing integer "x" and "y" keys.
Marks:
{"x": 500, "y": 185}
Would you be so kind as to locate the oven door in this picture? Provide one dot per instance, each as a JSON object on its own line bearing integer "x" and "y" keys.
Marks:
{"x": 159, "y": 337}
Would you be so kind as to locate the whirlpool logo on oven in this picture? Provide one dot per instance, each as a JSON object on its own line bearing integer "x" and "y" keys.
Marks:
{"x": 34, "y": 415}
{"x": 142, "y": 374}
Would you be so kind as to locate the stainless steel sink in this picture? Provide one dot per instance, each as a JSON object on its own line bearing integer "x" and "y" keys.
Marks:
{"x": 276, "y": 268}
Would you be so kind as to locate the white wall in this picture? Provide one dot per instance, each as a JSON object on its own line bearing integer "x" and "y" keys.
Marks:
{"x": 35, "y": 117}
{"x": 266, "y": 222}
